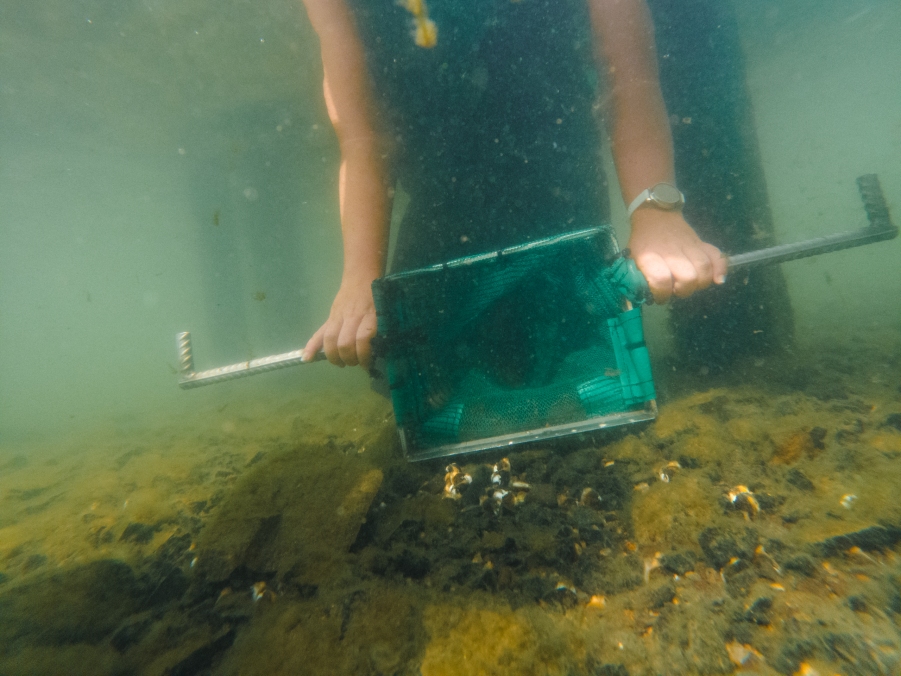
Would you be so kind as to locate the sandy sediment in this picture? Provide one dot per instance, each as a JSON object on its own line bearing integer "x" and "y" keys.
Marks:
{"x": 753, "y": 527}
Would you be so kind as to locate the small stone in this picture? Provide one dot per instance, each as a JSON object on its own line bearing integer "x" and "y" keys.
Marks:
{"x": 794, "y": 517}
{"x": 411, "y": 564}
{"x": 893, "y": 420}
{"x": 139, "y": 533}
{"x": 857, "y": 603}
{"x": 758, "y": 613}
{"x": 739, "y": 584}
{"x": 720, "y": 546}
{"x": 688, "y": 462}
{"x": 661, "y": 596}
{"x": 818, "y": 438}
{"x": 678, "y": 563}
{"x": 799, "y": 480}
{"x": 802, "y": 564}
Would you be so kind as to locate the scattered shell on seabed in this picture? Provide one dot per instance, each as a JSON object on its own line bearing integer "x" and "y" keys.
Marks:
{"x": 504, "y": 490}
{"x": 666, "y": 472}
{"x": 848, "y": 499}
{"x": 743, "y": 499}
{"x": 763, "y": 554}
{"x": 455, "y": 481}
{"x": 500, "y": 475}
{"x": 565, "y": 585}
{"x": 861, "y": 554}
{"x": 259, "y": 591}
{"x": 497, "y": 499}
{"x": 590, "y": 498}
{"x": 651, "y": 564}
{"x": 743, "y": 655}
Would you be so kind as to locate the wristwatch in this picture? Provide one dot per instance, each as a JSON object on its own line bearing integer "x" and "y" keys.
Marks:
{"x": 662, "y": 196}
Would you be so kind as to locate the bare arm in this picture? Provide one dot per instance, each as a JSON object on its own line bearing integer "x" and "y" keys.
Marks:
{"x": 363, "y": 186}
{"x": 667, "y": 250}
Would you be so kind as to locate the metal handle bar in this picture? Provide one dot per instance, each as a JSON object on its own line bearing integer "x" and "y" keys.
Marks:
{"x": 880, "y": 229}
{"x": 188, "y": 378}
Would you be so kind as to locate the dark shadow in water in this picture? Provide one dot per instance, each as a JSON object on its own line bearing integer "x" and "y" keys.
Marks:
{"x": 719, "y": 169}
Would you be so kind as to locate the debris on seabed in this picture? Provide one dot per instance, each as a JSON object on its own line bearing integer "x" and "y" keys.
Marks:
{"x": 743, "y": 499}
{"x": 565, "y": 585}
{"x": 454, "y": 481}
{"x": 858, "y": 552}
{"x": 848, "y": 499}
{"x": 649, "y": 565}
{"x": 743, "y": 655}
{"x": 260, "y": 591}
{"x": 590, "y": 498}
{"x": 497, "y": 499}
{"x": 500, "y": 475}
{"x": 667, "y": 472}
{"x": 762, "y": 553}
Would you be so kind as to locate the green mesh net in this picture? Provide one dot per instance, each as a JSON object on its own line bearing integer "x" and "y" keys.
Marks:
{"x": 530, "y": 342}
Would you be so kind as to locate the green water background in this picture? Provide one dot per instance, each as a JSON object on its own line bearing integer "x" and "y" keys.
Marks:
{"x": 168, "y": 166}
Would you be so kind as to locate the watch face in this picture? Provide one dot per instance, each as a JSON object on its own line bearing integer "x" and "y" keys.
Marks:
{"x": 667, "y": 195}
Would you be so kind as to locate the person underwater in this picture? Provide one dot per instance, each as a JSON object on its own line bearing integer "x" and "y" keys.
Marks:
{"x": 442, "y": 120}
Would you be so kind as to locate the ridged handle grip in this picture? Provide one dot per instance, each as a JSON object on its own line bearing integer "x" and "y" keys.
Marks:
{"x": 189, "y": 379}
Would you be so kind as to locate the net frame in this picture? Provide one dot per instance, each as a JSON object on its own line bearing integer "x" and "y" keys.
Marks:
{"x": 426, "y": 318}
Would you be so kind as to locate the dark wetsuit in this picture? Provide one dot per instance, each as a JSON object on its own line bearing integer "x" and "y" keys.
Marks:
{"x": 492, "y": 130}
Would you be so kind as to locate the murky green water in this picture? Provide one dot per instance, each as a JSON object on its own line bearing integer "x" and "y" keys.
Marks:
{"x": 170, "y": 166}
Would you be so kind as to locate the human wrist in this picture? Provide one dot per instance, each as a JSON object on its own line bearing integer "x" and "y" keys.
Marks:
{"x": 650, "y": 216}
{"x": 357, "y": 277}
{"x": 662, "y": 196}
